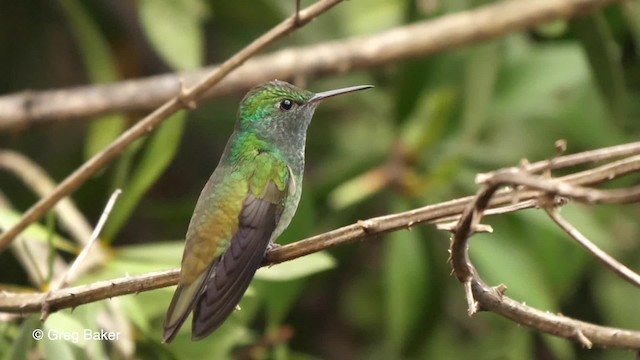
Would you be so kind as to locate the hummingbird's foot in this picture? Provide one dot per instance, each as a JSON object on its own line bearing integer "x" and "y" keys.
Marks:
{"x": 272, "y": 246}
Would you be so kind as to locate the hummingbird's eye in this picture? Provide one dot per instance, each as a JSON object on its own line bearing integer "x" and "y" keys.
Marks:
{"x": 286, "y": 104}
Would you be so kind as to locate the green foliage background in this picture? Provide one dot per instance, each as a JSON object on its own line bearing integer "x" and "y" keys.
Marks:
{"x": 418, "y": 138}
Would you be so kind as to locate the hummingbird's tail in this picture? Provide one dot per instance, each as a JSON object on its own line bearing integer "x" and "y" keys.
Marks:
{"x": 181, "y": 305}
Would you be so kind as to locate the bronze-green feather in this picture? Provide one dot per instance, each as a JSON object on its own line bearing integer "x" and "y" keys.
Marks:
{"x": 248, "y": 201}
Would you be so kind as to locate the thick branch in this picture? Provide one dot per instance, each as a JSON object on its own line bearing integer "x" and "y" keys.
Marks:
{"x": 185, "y": 98}
{"x": 412, "y": 41}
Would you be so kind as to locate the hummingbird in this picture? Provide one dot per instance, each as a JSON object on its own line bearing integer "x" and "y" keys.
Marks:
{"x": 248, "y": 201}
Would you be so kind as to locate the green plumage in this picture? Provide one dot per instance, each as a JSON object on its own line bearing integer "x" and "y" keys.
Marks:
{"x": 248, "y": 201}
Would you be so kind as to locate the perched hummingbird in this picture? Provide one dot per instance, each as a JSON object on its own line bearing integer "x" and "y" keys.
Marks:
{"x": 248, "y": 201}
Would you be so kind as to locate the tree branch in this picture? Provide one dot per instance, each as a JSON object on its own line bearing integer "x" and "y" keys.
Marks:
{"x": 412, "y": 41}
{"x": 480, "y": 295}
{"x": 73, "y": 271}
{"x": 185, "y": 98}
{"x": 623, "y": 271}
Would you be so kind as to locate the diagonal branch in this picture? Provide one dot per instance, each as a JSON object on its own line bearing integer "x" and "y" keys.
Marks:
{"x": 605, "y": 258}
{"x": 36, "y": 179}
{"x": 73, "y": 270}
{"x": 412, "y": 41}
{"x": 186, "y": 98}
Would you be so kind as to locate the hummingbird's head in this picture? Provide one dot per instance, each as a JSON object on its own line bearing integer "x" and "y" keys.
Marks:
{"x": 276, "y": 106}
{"x": 280, "y": 112}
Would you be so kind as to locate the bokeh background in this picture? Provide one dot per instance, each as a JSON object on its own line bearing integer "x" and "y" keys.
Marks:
{"x": 418, "y": 138}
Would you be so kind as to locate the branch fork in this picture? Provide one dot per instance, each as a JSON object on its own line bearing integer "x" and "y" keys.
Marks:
{"x": 548, "y": 194}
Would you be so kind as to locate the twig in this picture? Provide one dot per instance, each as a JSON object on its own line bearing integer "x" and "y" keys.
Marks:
{"x": 297, "y": 21}
{"x": 17, "y": 111}
{"x": 574, "y": 159}
{"x": 561, "y": 187}
{"x": 605, "y": 258}
{"x": 147, "y": 124}
{"x": 72, "y": 272}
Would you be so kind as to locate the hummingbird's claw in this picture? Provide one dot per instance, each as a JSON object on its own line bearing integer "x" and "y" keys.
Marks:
{"x": 273, "y": 246}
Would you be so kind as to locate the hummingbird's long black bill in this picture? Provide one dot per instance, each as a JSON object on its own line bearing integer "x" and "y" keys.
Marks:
{"x": 327, "y": 94}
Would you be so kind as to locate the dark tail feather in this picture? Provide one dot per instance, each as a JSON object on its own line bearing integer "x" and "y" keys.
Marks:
{"x": 233, "y": 271}
{"x": 181, "y": 305}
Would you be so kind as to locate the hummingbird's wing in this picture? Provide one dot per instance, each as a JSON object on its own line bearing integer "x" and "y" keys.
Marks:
{"x": 235, "y": 268}
{"x": 255, "y": 192}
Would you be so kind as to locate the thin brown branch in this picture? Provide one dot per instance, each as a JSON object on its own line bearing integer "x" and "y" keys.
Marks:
{"x": 184, "y": 98}
{"x": 73, "y": 271}
{"x": 576, "y": 159}
{"x": 407, "y": 42}
{"x": 562, "y": 188}
{"x": 503, "y": 201}
{"x": 601, "y": 255}
{"x": 72, "y": 274}
{"x": 481, "y": 296}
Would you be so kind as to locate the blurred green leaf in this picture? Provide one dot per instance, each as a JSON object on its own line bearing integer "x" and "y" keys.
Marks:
{"x": 100, "y": 65}
{"x": 504, "y": 342}
{"x": 35, "y": 231}
{"x": 561, "y": 348}
{"x": 63, "y": 328}
{"x": 218, "y": 345}
{"x": 150, "y": 308}
{"x": 174, "y": 29}
{"x": 279, "y": 296}
{"x": 157, "y": 155}
{"x": 122, "y": 171}
{"x": 617, "y": 299}
{"x": 158, "y": 254}
{"x": 281, "y": 288}
{"x": 555, "y": 28}
{"x": 483, "y": 63}
{"x": 561, "y": 260}
{"x": 363, "y": 305}
{"x": 139, "y": 259}
{"x": 89, "y": 315}
{"x": 407, "y": 280}
{"x": 94, "y": 48}
{"x": 297, "y": 268}
{"x": 584, "y": 219}
{"x": 631, "y": 12}
{"x": 604, "y": 57}
{"x": 427, "y": 125}
{"x": 56, "y": 349}
{"x": 381, "y": 14}
{"x": 21, "y": 345}
{"x": 101, "y": 133}
{"x": 501, "y": 258}
{"x": 536, "y": 82}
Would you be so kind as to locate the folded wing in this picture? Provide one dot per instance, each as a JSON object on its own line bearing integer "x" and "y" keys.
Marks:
{"x": 233, "y": 270}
